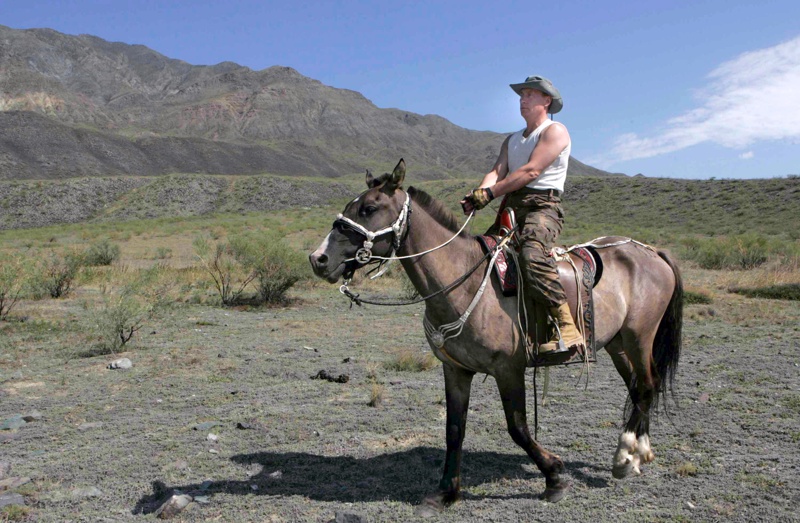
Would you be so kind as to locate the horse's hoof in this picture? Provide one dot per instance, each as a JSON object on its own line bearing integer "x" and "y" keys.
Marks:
{"x": 625, "y": 470}
{"x": 434, "y": 504}
{"x": 621, "y": 472}
{"x": 557, "y": 492}
{"x": 427, "y": 511}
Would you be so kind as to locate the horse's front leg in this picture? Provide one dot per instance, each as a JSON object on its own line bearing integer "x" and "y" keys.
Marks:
{"x": 512, "y": 392}
{"x": 457, "y": 384}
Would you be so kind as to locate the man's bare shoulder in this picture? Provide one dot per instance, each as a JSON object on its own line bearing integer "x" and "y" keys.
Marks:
{"x": 557, "y": 131}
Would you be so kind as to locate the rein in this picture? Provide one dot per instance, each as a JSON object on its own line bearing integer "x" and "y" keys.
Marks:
{"x": 355, "y": 298}
{"x": 399, "y": 228}
{"x": 358, "y": 300}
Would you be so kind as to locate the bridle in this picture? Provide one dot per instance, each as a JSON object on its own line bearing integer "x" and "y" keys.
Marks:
{"x": 398, "y": 229}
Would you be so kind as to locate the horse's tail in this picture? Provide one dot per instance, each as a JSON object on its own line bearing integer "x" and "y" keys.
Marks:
{"x": 667, "y": 343}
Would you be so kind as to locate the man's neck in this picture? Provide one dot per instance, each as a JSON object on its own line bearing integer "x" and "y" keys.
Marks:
{"x": 533, "y": 123}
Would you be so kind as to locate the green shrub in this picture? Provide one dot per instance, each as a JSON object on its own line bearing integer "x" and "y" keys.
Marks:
{"x": 408, "y": 292}
{"x": 101, "y": 253}
{"x": 55, "y": 274}
{"x": 14, "y": 513}
{"x": 125, "y": 312}
{"x": 228, "y": 275}
{"x": 12, "y": 283}
{"x": 744, "y": 251}
{"x": 274, "y": 266}
{"x": 787, "y": 291}
{"x": 694, "y": 297}
{"x": 685, "y": 469}
{"x": 162, "y": 253}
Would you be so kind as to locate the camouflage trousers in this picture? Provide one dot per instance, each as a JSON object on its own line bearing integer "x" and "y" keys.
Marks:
{"x": 540, "y": 218}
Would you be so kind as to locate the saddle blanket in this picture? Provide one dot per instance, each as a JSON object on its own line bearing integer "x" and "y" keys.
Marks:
{"x": 505, "y": 268}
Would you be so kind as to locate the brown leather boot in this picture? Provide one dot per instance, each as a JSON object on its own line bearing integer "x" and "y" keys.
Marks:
{"x": 569, "y": 332}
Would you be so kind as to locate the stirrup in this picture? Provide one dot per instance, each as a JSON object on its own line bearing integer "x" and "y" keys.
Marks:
{"x": 561, "y": 347}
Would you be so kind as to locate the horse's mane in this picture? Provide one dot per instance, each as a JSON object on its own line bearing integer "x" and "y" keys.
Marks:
{"x": 435, "y": 208}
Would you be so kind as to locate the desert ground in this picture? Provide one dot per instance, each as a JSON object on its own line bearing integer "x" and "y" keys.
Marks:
{"x": 220, "y": 404}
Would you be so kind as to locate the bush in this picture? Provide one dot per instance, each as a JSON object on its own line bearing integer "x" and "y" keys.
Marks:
{"x": 744, "y": 251}
{"x": 696, "y": 297}
{"x": 274, "y": 267}
{"x": 787, "y": 291}
{"x": 408, "y": 292}
{"x": 12, "y": 283}
{"x": 101, "y": 253}
{"x": 125, "y": 312}
{"x": 55, "y": 274}
{"x": 227, "y": 273}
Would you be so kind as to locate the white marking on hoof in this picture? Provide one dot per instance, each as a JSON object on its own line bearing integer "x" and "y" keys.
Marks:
{"x": 626, "y": 447}
{"x": 626, "y": 460}
{"x": 644, "y": 450}
{"x": 635, "y": 464}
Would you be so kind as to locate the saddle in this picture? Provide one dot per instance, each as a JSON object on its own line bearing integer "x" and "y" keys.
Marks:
{"x": 579, "y": 270}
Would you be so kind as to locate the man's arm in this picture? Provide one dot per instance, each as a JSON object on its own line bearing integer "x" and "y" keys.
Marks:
{"x": 498, "y": 172}
{"x": 500, "y": 169}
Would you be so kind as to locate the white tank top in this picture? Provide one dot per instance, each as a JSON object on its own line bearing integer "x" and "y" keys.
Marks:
{"x": 519, "y": 153}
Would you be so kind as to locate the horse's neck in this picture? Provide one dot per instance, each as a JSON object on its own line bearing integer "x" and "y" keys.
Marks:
{"x": 434, "y": 271}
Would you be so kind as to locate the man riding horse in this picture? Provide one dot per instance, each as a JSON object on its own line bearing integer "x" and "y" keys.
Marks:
{"x": 531, "y": 170}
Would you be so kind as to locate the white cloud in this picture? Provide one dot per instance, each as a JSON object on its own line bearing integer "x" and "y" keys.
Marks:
{"x": 747, "y": 155}
{"x": 751, "y": 98}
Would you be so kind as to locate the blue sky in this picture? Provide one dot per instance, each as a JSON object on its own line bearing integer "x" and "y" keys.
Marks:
{"x": 691, "y": 89}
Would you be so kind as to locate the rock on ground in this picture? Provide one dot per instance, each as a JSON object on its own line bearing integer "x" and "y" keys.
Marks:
{"x": 11, "y": 499}
{"x": 173, "y": 506}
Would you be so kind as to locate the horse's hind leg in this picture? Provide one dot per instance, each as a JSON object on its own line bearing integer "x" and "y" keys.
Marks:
{"x": 512, "y": 392}
{"x": 633, "y": 448}
{"x": 458, "y": 384}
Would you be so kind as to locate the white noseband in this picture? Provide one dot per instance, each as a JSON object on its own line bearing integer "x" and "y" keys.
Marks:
{"x": 364, "y": 254}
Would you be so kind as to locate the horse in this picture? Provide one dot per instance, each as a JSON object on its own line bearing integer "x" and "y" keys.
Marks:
{"x": 637, "y": 305}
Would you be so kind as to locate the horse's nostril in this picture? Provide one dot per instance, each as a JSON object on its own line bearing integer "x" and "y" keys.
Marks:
{"x": 320, "y": 260}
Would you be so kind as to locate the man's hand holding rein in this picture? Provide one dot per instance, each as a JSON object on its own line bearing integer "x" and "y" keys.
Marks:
{"x": 477, "y": 199}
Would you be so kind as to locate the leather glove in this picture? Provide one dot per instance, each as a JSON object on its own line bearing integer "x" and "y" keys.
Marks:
{"x": 480, "y": 198}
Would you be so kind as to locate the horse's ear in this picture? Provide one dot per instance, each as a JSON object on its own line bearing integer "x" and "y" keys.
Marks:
{"x": 370, "y": 180}
{"x": 398, "y": 175}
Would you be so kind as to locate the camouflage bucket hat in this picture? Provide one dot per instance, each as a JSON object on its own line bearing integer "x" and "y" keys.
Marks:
{"x": 544, "y": 85}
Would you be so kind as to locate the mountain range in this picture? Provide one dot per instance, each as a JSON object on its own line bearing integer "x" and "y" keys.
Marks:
{"x": 78, "y": 106}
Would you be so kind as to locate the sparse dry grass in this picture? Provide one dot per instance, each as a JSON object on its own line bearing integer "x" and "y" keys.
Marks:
{"x": 407, "y": 360}
{"x": 686, "y": 469}
{"x": 376, "y": 395}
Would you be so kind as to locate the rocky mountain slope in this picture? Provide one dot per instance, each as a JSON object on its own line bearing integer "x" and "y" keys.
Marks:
{"x": 73, "y": 106}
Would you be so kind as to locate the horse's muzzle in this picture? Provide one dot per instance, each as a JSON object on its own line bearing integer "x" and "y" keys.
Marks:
{"x": 320, "y": 265}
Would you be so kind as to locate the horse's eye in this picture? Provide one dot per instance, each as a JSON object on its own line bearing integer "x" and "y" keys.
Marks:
{"x": 369, "y": 210}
